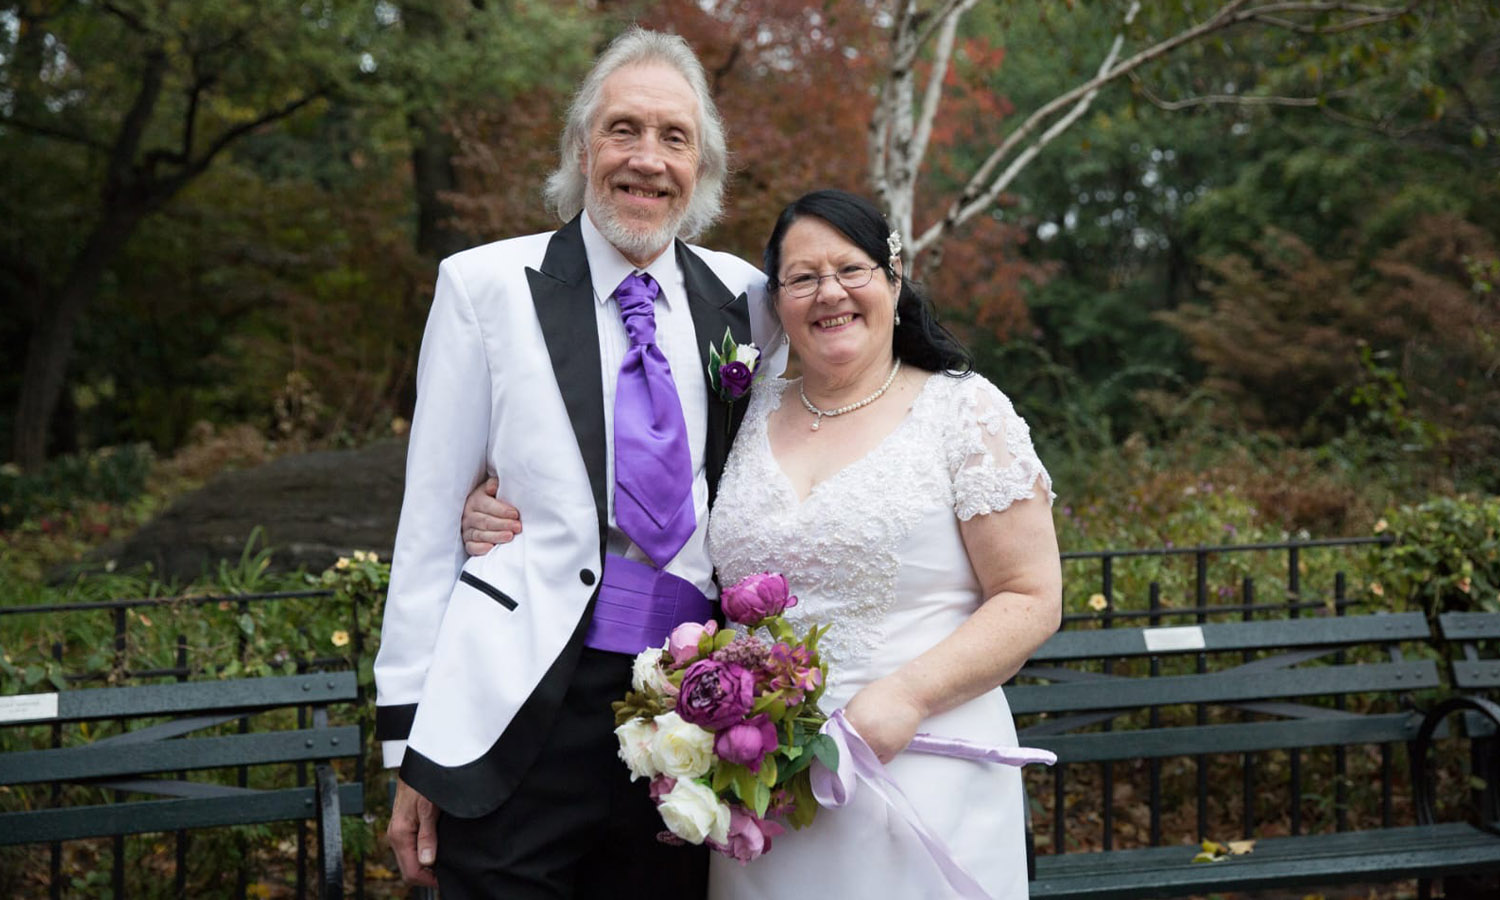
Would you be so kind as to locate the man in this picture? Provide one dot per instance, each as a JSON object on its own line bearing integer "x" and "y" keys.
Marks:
{"x": 571, "y": 366}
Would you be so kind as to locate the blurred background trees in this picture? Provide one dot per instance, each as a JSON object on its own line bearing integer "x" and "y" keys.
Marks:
{"x": 1273, "y": 249}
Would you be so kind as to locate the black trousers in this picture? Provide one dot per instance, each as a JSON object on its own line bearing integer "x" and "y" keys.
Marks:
{"x": 576, "y": 827}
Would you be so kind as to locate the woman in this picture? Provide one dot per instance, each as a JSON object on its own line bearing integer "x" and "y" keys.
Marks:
{"x": 904, "y": 503}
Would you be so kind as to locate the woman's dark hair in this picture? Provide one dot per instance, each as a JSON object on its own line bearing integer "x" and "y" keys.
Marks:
{"x": 919, "y": 339}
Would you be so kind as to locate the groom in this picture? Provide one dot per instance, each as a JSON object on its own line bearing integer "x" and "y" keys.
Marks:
{"x": 572, "y": 366}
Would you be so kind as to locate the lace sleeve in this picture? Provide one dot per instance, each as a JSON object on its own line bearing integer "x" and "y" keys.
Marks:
{"x": 990, "y": 456}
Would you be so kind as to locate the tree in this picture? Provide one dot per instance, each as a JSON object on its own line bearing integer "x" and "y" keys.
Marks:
{"x": 118, "y": 106}
{"x": 901, "y": 127}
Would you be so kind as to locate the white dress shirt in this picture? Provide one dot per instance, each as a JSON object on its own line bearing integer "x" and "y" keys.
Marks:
{"x": 678, "y": 340}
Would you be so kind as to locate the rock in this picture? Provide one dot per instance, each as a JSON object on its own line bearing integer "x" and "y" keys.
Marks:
{"x": 312, "y": 507}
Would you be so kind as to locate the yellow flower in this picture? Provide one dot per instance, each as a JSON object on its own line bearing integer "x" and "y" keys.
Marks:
{"x": 359, "y": 556}
{"x": 343, "y": 563}
{"x": 340, "y": 638}
{"x": 1097, "y": 602}
{"x": 1377, "y": 589}
{"x": 1382, "y": 525}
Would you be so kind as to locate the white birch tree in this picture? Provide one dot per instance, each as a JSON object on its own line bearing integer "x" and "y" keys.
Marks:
{"x": 902, "y": 124}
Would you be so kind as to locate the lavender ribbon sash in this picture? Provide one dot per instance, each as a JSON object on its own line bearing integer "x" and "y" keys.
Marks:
{"x": 858, "y": 764}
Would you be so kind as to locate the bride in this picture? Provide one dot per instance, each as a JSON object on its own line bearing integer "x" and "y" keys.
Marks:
{"x": 900, "y": 495}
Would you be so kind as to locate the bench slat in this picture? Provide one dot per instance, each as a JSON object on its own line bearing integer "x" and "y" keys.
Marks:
{"x": 1222, "y": 687}
{"x": 198, "y": 696}
{"x": 1243, "y": 737}
{"x": 1387, "y": 854}
{"x": 45, "y": 825}
{"x": 1469, "y": 626}
{"x": 110, "y": 760}
{"x": 1333, "y": 631}
{"x": 1476, "y": 674}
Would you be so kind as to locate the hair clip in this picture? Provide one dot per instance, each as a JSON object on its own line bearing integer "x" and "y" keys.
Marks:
{"x": 893, "y": 243}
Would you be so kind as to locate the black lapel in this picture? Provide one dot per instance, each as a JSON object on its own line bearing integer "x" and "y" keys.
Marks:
{"x": 714, "y": 310}
{"x": 564, "y": 301}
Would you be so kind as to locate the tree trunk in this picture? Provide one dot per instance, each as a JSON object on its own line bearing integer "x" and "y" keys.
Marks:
{"x": 432, "y": 155}
{"x": 51, "y": 344}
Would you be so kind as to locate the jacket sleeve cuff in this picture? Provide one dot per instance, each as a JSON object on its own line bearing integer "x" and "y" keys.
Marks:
{"x": 391, "y": 753}
{"x": 393, "y": 723}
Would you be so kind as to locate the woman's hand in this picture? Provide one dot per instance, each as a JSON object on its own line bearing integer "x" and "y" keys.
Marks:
{"x": 488, "y": 520}
{"x": 886, "y": 715}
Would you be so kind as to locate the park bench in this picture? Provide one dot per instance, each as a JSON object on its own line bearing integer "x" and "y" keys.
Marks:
{"x": 158, "y": 742}
{"x": 1216, "y": 703}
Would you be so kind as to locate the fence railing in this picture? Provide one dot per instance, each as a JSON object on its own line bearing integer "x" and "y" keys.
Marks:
{"x": 1153, "y": 574}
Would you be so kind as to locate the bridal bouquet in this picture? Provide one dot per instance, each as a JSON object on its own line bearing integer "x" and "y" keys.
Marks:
{"x": 725, "y": 723}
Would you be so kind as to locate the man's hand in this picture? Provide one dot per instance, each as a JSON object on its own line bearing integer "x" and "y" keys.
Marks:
{"x": 487, "y": 520}
{"x": 413, "y": 835}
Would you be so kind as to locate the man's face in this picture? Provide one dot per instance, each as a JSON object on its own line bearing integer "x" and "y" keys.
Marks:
{"x": 642, "y": 159}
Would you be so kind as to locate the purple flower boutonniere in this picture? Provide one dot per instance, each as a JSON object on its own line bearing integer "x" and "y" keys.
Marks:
{"x": 732, "y": 368}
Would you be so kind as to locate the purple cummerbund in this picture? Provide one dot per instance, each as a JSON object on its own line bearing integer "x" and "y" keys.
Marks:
{"x": 639, "y": 605}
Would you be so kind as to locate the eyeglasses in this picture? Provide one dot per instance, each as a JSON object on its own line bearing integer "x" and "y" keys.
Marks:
{"x": 849, "y": 277}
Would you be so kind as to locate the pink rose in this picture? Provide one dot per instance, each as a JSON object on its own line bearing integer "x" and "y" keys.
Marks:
{"x": 747, "y": 742}
{"x": 749, "y": 836}
{"x": 755, "y": 597}
{"x": 682, "y": 645}
{"x": 715, "y": 694}
{"x": 662, "y": 785}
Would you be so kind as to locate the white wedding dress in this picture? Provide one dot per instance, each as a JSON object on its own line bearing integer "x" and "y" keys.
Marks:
{"x": 876, "y": 551}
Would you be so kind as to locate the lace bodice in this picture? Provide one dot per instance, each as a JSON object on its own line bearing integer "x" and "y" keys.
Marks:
{"x": 852, "y": 550}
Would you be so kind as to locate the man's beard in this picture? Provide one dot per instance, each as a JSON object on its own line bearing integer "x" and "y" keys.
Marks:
{"x": 632, "y": 242}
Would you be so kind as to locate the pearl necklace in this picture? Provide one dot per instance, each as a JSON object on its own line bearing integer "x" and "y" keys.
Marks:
{"x": 830, "y": 413}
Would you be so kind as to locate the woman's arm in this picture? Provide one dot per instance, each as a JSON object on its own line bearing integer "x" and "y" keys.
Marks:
{"x": 487, "y": 519}
{"x": 1014, "y": 554}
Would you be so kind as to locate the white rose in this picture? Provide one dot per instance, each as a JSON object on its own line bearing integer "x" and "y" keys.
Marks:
{"x": 692, "y": 812}
{"x": 646, "y": 673}
{"x": 636, "y": 738}
{"x": 681, "y": 749}
{"x": 747, "y": 354}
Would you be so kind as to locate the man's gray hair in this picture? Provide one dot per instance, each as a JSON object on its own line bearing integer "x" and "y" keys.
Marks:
{"x": 567, "y": 184}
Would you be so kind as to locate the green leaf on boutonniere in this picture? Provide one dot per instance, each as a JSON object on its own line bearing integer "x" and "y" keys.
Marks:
{"x": 729, "y": 351}
{"x": 715, "y": 362}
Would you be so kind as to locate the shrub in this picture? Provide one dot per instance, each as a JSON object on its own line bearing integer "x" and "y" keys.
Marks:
{"x": 1446, "y": 556}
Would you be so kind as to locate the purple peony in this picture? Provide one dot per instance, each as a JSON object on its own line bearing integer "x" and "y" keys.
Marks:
{"x": 755, "y": 597}
{"x": 715, "y": 694}
{"x": 747, "y": 742}
{"x": 749, "y": 836}
{"x": 735, "y": 377}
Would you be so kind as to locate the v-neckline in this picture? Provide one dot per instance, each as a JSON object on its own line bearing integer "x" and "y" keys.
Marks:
{"x": 786, "y": 481}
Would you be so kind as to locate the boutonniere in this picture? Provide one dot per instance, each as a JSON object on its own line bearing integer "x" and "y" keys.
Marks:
{"x": 732, "y": 368}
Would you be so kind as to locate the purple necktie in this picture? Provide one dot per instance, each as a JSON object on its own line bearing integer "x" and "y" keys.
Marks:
{"x": 653, "y": 468}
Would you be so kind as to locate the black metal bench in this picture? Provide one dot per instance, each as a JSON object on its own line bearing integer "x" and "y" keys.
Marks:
{"x": 1235, "y": 696}
{"x": 156, "y": 745}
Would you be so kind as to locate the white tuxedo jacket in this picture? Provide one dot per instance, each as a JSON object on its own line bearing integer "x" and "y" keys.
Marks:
{"x": 476, "y": 653}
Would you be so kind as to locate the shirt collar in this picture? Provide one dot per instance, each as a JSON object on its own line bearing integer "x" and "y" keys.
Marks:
{"x": 608, "y": 266}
